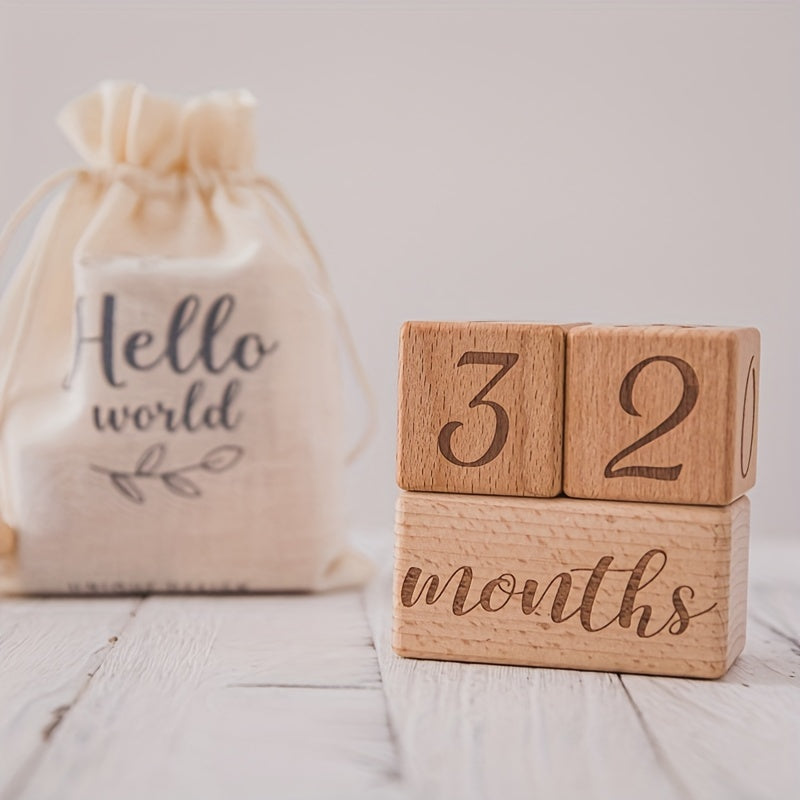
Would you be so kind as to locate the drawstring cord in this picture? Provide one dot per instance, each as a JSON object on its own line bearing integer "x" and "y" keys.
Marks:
{"x": 6, "y": 236}
{"x": 12, "y": 348}
{"x": 346, "y": 333}
{"x": 50, "y": 184}
{"x": 33, "y": 200}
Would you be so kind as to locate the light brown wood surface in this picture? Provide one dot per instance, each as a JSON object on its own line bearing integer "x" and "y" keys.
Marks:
{"x": 553, "y": 583}
{"x": 7, "y": 539}
{"x": 207, "y": 697}
{"x": 509, "y": 442}
{"x": 708, "y": 376}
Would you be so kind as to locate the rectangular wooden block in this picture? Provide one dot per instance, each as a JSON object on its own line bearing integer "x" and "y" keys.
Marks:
{"x": 661, "y": 413}
{"x": 480, "y": 408}
{"x": 596, "y": 585}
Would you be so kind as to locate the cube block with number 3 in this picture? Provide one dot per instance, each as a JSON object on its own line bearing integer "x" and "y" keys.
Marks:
{"x": 661, "y": 413}
{"x": 480, "y": 408}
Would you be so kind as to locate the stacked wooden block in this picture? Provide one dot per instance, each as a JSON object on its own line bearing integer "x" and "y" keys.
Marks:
{"x": 574, "y": 494}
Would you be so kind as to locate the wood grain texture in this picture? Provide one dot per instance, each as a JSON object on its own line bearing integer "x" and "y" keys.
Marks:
{"x": 209, "y": 697}
{"x": 48, "y": 655}
{"x": 7, "y": 539}
{"x": 629, "y": 587}
{"x": 275, "y": 710}
{"x": 708, "y": 376}
{"x": 486, "y": 731}
{"x": 454, "y": 435}
{"x": 474, "y": 731}
{"x": 739, "y": 736}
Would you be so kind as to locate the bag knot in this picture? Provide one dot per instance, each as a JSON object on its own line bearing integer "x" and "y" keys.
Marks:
{"x": 124, "y": 124}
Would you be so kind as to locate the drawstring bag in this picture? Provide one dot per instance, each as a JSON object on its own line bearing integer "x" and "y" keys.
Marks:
{"x": 171, "y": 409}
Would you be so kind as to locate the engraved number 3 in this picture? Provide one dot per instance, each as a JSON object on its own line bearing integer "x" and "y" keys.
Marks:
{"x": 505, "y": 361}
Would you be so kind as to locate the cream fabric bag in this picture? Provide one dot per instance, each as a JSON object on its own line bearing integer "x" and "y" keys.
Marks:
{"x": 171, "y": 414}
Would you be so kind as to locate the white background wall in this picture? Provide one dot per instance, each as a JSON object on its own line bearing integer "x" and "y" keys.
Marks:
{"x": 598, "y": 161}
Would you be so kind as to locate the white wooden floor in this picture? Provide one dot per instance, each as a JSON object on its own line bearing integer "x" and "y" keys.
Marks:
{"x": 301, "y": 697}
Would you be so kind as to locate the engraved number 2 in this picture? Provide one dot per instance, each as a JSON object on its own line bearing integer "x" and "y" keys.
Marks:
{"x": 505, "y": 361}
{"x": 691, "y": 388}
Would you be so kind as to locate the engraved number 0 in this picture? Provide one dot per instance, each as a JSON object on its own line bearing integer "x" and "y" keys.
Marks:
{"x": 750, "y": 386}
{"x": 691, "y": 388}
{"x": 505, "y": 361}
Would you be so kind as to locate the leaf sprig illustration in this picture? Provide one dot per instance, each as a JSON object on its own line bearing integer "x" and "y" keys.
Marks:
{"x": 150, "y": 466}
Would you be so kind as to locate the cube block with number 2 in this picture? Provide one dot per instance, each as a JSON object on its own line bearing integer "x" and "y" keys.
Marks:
{"x": 480, "y": 408}
{"x": 660, "y": 413}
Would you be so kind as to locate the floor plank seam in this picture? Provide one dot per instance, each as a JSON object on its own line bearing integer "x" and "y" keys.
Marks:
{"x": 16, "y": 786}
{"x": 661, "y": 758}
{"x": 104, "y": 651}
{"x": 348, "y": 686}
{"x": 58, "y": 715}
{"x": 397, "y": 774}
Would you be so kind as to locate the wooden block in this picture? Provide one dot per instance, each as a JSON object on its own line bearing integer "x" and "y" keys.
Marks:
{"x": 480, "y": 408}
{"x": 584, "y": 584}
{"x": 661, "y": 413}
{"x": 8, "y": 539}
